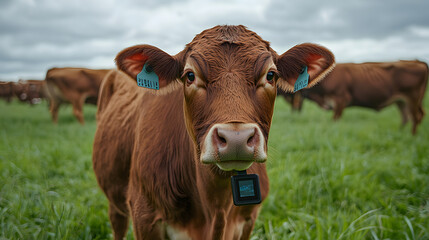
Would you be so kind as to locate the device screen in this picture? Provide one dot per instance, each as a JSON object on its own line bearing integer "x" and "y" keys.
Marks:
{"x": 246, "y": 188}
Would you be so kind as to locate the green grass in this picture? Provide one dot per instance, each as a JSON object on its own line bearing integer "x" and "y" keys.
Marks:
{"x": 359, "y": 178}
{"x": 47, "y": 186}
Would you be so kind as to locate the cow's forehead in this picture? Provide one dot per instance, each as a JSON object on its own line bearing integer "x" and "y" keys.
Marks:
{"x": 230, "y": 34}
{"x": 221, "y": 40}
{"x": 229, "y": 47}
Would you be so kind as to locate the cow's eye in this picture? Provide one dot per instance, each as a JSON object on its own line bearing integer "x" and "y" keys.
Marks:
{"x": 270, "y": 76}
{"x": 190, "y": 77}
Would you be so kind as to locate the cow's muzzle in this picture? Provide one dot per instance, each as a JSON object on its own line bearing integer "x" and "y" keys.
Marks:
{"x": 234, "y": 146}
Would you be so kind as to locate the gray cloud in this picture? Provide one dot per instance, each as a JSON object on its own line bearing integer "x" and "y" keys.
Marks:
{"x": 335, "y": 20}
{"x": 37, "y": 35}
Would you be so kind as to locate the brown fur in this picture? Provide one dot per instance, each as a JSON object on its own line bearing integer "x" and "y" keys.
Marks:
{"x": 6, "y": 91}
{"x": 147, "y": 146}
{"x": 73, "y": 85}
{"x": 375, "y": 86}
{"x": 30, "y": 91}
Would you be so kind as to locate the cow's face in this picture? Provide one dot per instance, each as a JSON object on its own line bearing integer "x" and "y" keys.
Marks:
{"x": 229, "y": 77}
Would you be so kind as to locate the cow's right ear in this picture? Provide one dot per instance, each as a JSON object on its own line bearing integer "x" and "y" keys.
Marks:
{"x": 318, "y": 60}
{"x": 131, "y": 60}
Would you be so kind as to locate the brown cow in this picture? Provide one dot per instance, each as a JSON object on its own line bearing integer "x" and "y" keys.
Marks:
{"x": 294, "y": 99}
{"x": 374, "y": 85}
{"x": 166, "y": 159}
{"x": 30, "y": 91}
{"x": 6, "y": 91}
{"x": 73, "y": 85}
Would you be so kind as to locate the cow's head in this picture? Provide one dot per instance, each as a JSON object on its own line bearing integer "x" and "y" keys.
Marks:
{"x": 229, "y": 76}
{"x": 19, "y": 88}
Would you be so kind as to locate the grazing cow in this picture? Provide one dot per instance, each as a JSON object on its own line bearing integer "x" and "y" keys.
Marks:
{"x": 6, "y": 91}
{"x": 30, "y": 91}
{"x": 374, "y": 85}
{"x": 294, "y": 99}
{"x": 73, "y": 85}
{"x": 165, "y": 157}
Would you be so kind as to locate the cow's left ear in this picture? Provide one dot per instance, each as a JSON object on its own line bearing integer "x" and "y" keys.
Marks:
{"x": 168, "y": 68}
{"x": 319, "y": 61}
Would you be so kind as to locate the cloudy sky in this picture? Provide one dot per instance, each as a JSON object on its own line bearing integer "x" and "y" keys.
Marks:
{"x": 36, "y": 35}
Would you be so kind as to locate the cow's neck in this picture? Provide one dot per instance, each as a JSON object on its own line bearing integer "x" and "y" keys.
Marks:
{"x": 214, "y": 189}
{"x": 215, "y": 195}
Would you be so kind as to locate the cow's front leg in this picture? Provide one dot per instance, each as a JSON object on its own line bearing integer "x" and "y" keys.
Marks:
{"x": 145, "y": 220}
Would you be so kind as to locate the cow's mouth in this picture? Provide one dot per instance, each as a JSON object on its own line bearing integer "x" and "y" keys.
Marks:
{"x": 237, "y": 165}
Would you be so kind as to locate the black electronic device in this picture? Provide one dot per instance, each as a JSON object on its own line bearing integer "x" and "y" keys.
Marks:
{"x": 245, "y": 189}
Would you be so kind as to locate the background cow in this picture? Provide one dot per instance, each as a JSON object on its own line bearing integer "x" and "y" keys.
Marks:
{"x": 30, "y": 91}
{"x": 373, "y": 85}
{"x": 75, "y": 86}
{"x": 166, "y": 158}
{"x": 294, "y": 99}
{"x": 6, "y": 91}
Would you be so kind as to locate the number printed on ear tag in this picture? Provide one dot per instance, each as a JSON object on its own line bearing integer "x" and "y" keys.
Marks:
{"x": 302, "y": 80}
{"x": 147, "y": 78}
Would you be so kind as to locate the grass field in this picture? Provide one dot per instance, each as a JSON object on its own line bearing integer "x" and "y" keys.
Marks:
{"x": 359, "y": 178}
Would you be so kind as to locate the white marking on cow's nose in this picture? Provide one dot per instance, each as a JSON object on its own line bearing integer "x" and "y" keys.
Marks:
{"x": 236, "y": 145}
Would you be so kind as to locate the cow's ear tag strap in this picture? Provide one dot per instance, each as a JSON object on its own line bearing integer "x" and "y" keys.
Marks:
{"x": 147, "y": 78}
{"x": 302, "y": 80}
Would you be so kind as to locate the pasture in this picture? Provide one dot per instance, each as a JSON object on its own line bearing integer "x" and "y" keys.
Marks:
{"x": 359, "y": 178}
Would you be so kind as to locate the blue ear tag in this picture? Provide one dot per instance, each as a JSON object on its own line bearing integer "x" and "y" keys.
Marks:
{"x": 147, "y": 78}
{"x": 302, "y": 80}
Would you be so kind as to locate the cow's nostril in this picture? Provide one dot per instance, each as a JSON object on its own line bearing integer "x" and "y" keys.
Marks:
{"x": 250, "y": 141}
{"x": 219, "y": 139}
{"x": 253, "y": 138}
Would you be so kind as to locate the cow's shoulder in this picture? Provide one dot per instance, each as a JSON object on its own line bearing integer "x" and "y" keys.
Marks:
{"x": 116, "y": 118}
{"x": 119, "y": 86}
